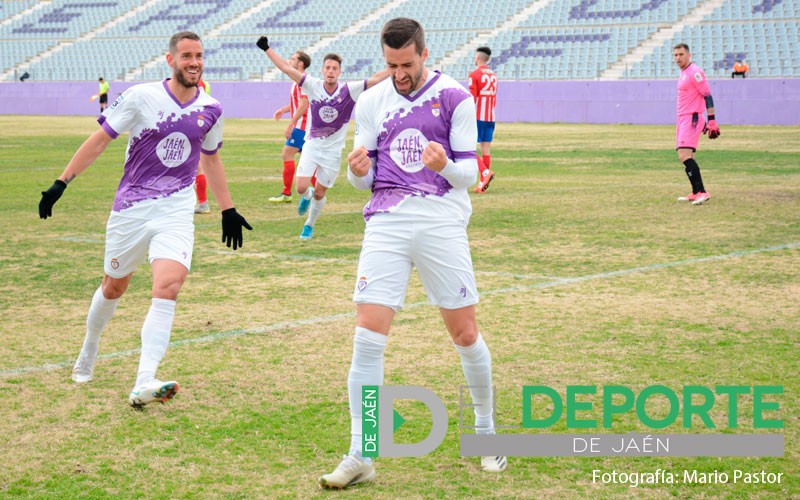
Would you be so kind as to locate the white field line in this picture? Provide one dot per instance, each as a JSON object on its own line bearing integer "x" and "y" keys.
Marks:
{"x": 213, "y": 337}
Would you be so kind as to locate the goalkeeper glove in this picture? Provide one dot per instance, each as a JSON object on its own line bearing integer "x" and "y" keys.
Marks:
{"x": 232, "y": 224}
{"x": 263, "y": 43}
{"x": 50, "y": 197}
{"x": 713, "y": 129}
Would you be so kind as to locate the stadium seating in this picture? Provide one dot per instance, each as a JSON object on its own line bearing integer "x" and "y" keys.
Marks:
{"x": 73, "y": 40}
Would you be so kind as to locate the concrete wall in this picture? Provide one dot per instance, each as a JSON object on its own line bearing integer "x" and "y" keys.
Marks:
{"x": 740, "y": 101}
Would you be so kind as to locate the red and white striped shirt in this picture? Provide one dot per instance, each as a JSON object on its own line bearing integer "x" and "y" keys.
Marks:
{"x": 483, "y": 87}
{"x": 294, "y": 102}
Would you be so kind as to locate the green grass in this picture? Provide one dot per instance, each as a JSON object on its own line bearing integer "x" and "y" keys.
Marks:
{"x": 590, "y": 274}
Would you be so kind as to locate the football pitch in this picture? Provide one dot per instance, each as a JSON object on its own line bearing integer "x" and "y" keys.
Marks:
{"x": 590, "y": 273}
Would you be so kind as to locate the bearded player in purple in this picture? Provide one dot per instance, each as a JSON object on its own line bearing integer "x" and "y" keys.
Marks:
{"x": 173, "y": 126}
{"x": 414, "y": 148}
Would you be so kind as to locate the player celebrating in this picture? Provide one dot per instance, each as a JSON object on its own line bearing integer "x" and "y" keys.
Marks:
{"x": 483, "y": 87}
{"x": 694, "y": 97}
{"x": 296, "y": 130}
{"x": 331, "y": 105}
{"x": 414, "y": 147}
{"x": 172, "y": 126}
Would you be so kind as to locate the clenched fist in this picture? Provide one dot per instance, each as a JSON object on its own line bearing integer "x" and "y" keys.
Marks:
{"x": 434, "y": 156}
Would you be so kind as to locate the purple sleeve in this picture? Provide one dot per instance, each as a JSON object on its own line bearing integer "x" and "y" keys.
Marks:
{"x": 110, "y": 131}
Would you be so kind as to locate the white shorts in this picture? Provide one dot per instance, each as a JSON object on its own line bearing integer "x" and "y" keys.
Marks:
{"x": 439, "y": 249}
{"x": 326, "y": 164}
{"x": 129, "y": 240}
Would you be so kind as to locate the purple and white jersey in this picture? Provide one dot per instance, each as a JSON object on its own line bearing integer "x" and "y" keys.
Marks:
{"x": 166, "y": 138}
{"x": 395, "y": 129}
{"x": 330, "y": 111}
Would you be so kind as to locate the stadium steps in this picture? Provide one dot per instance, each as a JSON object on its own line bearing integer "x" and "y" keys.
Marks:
{"x": 272, "y": 73}
{"x": 657, "y": 40}
{"x": 31, "y": 10}
{"x": 466, "y": 50}
{"x": 87, "y": 36}
{"x": 136, "y": 73}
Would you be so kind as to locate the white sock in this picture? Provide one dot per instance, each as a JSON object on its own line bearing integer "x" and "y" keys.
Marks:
{"x": 365, "y": 369}
{"x": 100, "y": 313}
{"x": 308, "y": 194}
{"x": 476, "y": 361}
{"x": 314, "y": 210}
{"x": 155, "y": 338}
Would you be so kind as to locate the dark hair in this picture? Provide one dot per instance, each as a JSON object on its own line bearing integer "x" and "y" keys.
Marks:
{"x": 304, "y": 58}
{"x": 401, "y": 32}
{"x": 332, "y": 57}
{"x": 182, "y": 35}
{"x": 682, "y": 46}
{"x": 100, "y": 79}
{"x": 485, "y": 50}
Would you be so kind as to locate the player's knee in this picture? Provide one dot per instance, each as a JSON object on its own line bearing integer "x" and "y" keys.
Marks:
{"x": 114, "y": 288}
{"x": 465, "y": 337}
{"x": 168, "y": 290}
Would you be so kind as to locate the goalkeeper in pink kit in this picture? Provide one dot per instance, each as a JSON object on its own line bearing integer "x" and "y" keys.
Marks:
{"x": 694, "y": 97}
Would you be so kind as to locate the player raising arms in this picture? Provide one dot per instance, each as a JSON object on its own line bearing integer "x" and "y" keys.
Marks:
{"x": 694, "y": 97}
{"x": 173, "y": 125}
{"x": 296, "y": 130}
{"x": 331, "y": 105}
{"x": 415, "y": 149}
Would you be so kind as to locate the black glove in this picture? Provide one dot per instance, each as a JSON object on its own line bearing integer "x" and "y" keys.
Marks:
{"x": 50, "y": 197}
{"x": 263, "y": 43}
{"x": 232, "y": 224}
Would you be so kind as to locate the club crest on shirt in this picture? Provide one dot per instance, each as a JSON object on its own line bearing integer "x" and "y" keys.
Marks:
{"x": 328, "y": 114}
{"x": 407, "y": 148}
{"x": 173, "y": 149}
{"x": 201, "y": 120}
{"x": 698, "y": 77}
{"x": 362, "y": 283}
{"x": 435, "y": 109}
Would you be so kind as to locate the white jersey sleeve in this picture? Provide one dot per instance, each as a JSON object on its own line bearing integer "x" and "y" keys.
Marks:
{"x": 123, "y": 114}
{"x": 462, "y": 172}
{"x": 356, "y": 88}
{"x": 366, "y": 133}
{"x": 213, "y": 140}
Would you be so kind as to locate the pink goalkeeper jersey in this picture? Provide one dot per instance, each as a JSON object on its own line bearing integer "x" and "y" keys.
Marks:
{"x": 692, "y": 90}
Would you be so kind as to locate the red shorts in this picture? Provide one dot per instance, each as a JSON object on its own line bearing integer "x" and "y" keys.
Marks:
{"x": 688, "y": 130}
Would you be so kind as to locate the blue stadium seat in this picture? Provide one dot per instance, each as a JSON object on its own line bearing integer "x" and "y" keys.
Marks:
{"x": 565, "y": 39}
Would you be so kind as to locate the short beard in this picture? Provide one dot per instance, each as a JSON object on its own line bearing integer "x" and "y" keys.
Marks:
{"x": 178, "y": 75}
{"x": 414, "y": 84}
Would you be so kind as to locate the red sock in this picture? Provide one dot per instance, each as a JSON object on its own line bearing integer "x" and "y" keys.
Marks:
{"x": 481, "y": 169}
{"x": 288, "y": 177}
{"x": 200, "y": 186}
{"x": 487, "y": 160}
